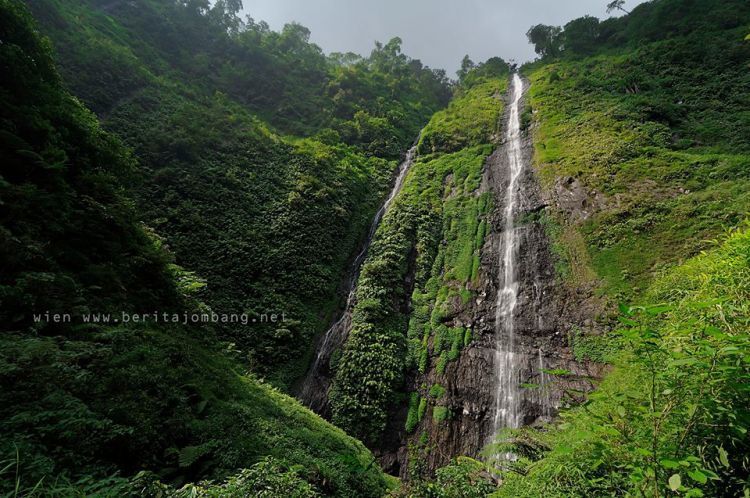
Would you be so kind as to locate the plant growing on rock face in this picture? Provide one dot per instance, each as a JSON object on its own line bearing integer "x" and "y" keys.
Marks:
{"x": 440, "y": 414}
{"x": 437, "y": 391}
{"x": 413, "y": 416}
{"x": 437, "y": 217}
{"x": 422, "y": 408}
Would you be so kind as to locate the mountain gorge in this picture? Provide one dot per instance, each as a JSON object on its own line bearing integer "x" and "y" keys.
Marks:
{"x": 530, "y": 281}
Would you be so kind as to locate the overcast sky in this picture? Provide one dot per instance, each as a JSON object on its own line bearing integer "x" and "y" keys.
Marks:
{"x": 438, "y": 32}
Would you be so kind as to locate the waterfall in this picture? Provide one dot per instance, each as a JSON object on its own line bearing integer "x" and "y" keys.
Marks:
{"x": 507, "y": 360}
{"x": 314, "y": 389}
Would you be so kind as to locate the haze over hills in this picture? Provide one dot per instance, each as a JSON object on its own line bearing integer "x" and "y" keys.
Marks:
{"x": 235, "y": 265}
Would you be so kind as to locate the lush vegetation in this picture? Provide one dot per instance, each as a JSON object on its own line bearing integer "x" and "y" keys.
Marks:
{"x": 463, "y": 478}
{"x": 227, "y": 168}
{"x": 660, "y": 133}
{"x": 262, "y": 160}
{"x": 672, "y": 418}
{"x": 85, "y": 405}
{"x": 424, "y": 258}
{"x": 647, "y": 111}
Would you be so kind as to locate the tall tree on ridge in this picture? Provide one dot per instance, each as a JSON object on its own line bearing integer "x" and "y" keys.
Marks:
{"x": 617, "y": 5}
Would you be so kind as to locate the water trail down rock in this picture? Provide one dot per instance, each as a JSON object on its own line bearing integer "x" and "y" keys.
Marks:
{"x": 314, "y": 389}
{"x": 507, "y": 363}
{"x": 544, "y": 401}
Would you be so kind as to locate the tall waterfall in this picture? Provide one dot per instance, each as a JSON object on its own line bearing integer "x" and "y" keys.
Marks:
{"x": 314, "y": 389}
{"x": 507, "y": 360}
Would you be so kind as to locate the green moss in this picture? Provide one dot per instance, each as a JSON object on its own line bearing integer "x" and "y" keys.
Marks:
{"x": 413, "y": 418}
{"x": 442, "y": 362}
{"x": 440, "y": 414}
{"x": 422, "y": 408}
{"x": 471, "y": 118}
{"x": 439, "y": 217}
{"x": 467, "y": 337}
{"x": 437, "y": 391}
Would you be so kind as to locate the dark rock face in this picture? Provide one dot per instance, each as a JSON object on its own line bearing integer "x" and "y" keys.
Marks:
{"x": 545, "y": 313}
{"x": 572, "y": 198}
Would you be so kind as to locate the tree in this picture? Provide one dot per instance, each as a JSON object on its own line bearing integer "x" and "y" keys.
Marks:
{"x": 580, "y": 35}
{"x": 546, "y": 39}
{"x": 388, "y": 58}
{"x": 224, "y": 12}
{"x": 466, "y": 66}
{"x": 617, "y": 5}
{"x": 495, "y": 66}
{"x": 471, "y": 73}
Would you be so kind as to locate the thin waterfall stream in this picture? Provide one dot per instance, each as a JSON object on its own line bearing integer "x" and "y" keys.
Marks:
{"x": 314, "y": 388}
{"x": 507, "y": 361}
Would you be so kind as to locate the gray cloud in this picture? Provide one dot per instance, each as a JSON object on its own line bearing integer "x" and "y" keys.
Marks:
{"x": 439, "y": 32}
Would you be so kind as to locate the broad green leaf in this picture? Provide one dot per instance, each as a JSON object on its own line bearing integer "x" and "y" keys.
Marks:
{"x": 698, "y": 476}
{"x": 624, "y": 309}
{"x": 658, "y": 309}
{"x": 723, "y": 457}
{"x": 675, "y": 482}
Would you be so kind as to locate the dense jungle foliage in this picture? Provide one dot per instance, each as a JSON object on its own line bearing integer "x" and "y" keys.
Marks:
{"x": 167, "y": 156}
{"x": 84, "y": 404}
{"x": 261, "y": 160}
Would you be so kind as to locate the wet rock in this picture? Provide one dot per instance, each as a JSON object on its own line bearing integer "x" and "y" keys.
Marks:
{"x": 545, "y": 313}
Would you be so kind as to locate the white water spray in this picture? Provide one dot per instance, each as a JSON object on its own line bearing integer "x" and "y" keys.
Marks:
{"x": 507, "y": 361}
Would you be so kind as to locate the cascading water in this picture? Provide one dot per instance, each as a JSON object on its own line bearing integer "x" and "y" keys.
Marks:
{"x": 507, "y": 361}
{"x": 313, "y": 391}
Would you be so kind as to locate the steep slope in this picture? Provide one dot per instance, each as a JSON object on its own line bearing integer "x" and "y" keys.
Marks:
{"x": 646, "y": 151}
{"x": 640, "y": 136}
{"x": 414, "y": 304}
{"x": 401, "y": 257}
{"x": 641, "y": 144}
{"x": 672, "y": 418}
{"x": 85, "y": 405}
{"x": 262, "y": 159}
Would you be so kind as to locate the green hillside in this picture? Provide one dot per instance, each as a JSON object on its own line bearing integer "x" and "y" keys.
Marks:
{"x": 648, "y": 114}
{"x": 659, "y": 128}
{"x": 262, "y": 160}
{"x": 651, "y": 117}
{"x": 86, "y": 405}
{"x": 431, "y": 237}
{"x": 165, "y": 162}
